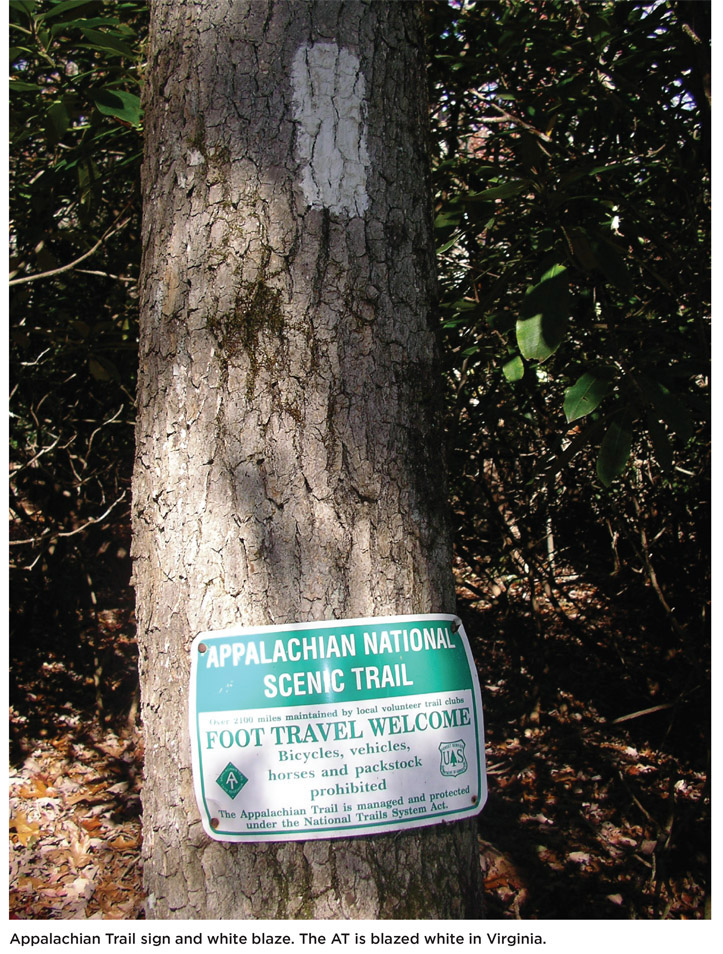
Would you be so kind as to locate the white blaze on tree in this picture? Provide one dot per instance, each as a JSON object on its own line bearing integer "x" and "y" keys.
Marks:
{"x": 329, "y": 108}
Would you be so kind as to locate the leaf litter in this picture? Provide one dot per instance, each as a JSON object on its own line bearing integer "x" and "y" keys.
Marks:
{"x": 588, "y": 816}
{"x": 75, "y": 834}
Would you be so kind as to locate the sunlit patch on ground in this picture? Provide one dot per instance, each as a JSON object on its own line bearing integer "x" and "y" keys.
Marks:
{"x": 75, "y": 830}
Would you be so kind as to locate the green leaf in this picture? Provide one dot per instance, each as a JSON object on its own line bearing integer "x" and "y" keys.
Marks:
{"x": 514, "y": 369}
{"x": 540, "y": 336}
{"x": 464, "y": 305}
{"x": 585, "y": 394}
{"x": 107, "y": 42}
{"x": 64, "y": 6}
{"x": 119, "y": 104}
{"x": 449, "y": 218}
{"x": 614, "y": 452}
{"x": 448, "y": 245}
{"x": 505, "y": 191}
{"x": 23, "y": 6}
{"x": 20, "y": 86}
{"x": 545, "y": 315}
{"x": 57, "y": 122}
{"x": 455, "y": 322}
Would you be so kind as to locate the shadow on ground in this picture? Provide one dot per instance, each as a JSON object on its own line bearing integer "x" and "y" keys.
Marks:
{"x": 597, "y": 759}
{"x": 597, "y": 754}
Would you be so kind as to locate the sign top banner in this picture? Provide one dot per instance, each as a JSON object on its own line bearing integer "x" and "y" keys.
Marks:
{"x": 377, "y": 723}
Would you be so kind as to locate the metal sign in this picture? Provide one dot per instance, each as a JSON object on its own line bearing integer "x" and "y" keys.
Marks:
{"x": 326, "y": 730}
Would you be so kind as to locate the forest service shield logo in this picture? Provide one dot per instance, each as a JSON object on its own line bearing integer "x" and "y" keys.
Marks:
{"x": 453, "y": 760}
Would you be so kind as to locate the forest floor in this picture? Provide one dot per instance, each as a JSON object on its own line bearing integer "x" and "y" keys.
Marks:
{"x": 598, "y": 802}
{"x": 597, "y": 762}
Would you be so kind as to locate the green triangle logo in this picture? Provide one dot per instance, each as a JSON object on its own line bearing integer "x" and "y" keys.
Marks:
{"x": 231, "y": 780}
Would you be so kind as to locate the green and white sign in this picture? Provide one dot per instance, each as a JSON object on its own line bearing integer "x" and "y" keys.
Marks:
{"x": 326, "y": 730}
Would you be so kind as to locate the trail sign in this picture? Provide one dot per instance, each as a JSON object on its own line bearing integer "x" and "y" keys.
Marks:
{"x": 325, "y": 730}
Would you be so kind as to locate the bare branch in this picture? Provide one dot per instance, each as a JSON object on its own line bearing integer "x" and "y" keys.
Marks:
{"x": 115, "y": 227}
{"x": 68, "y": 533}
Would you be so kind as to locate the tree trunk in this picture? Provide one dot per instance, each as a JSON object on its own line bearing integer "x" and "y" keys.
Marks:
{"x": 289, "y": 465}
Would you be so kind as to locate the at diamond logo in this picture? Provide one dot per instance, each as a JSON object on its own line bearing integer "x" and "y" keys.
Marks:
{"x": 231, "y": 780}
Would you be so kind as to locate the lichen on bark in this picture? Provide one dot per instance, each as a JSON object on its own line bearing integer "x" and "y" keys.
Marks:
{"x": 258, "y": 310}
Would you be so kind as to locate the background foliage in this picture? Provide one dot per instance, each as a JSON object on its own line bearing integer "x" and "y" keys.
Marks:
{"x": 573, "y": 192}
{"x": 75, "y": 147}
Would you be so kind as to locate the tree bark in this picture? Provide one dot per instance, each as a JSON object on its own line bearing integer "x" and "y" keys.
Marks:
{"x": 290, "y": 463}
